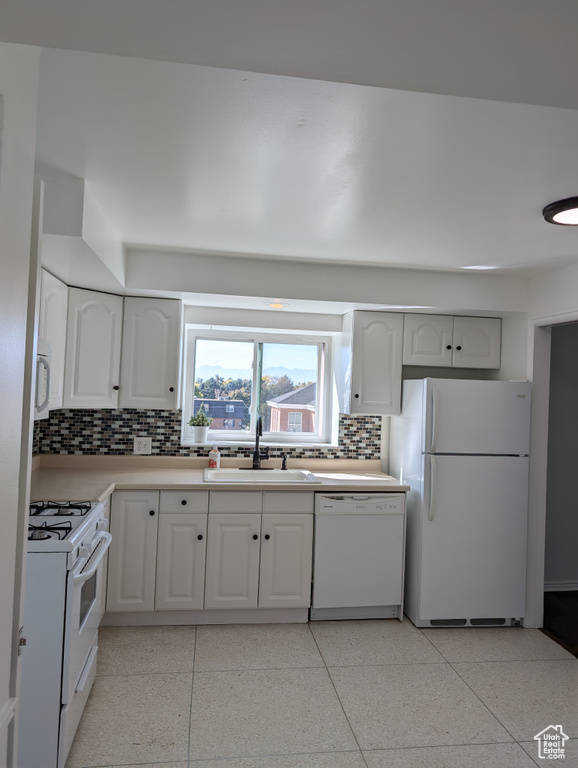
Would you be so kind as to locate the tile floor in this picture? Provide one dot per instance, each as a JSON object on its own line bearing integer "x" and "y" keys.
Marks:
{"x": 379, "y": 694}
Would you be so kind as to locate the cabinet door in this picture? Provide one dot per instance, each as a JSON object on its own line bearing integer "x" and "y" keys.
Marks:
{"x": 376, "y": 363}
{"x": 150, "y": 353}
{"x": 477, "y": 342}
{"x": 92, "y": 366}
{"x": 181, "y": 561}
{"x": 133, "y": 551}
{"x": 232, "y": 573}
{"x": 286, "y": 550}
{"x": 427, "y": 340}
{"x": 52, "y": 328}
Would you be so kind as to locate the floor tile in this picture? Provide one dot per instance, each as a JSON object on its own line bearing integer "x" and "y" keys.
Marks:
{"x": 486, "y": 755}
{"x": 495, "y": 644}
{"x": 389, "y": 641}
{"x": 412, "y": 705}
{"x": 326, "y": 760}
{"x": 134, "y": 719}
{"x": 261, "y": 712}
{"x": 146, "y": 765}
{"x": 570, "y": 754}
{"x": 145, "y": 650}
{"x": 527, "y": 696}
{"x": 255, "y": 646}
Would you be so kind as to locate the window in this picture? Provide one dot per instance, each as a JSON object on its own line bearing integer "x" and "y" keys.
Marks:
{"x": 238, "y": 377}
{"x": 295, "y": 421}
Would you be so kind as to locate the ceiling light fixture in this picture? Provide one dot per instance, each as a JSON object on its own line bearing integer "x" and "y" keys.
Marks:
{"x": 277, "y": 304}
{"x": 563, "y": 212}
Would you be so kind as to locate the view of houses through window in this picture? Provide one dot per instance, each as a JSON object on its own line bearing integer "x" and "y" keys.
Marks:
{"x": 276, "y": 380}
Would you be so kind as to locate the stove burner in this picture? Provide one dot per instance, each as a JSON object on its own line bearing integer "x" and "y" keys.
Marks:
{"x": 61, "y": 508}
{"x": 38, "y": 533}
{"x": 45, "y": 531}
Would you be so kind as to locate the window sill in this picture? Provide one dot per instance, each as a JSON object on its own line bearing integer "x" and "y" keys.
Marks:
{"x": 262, "y": 444}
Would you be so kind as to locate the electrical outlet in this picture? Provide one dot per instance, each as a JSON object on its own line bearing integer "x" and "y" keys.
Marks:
{"x": 142, "y": 445}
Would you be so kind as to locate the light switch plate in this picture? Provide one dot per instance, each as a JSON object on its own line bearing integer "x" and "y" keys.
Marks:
{"x": 142, "y": 445}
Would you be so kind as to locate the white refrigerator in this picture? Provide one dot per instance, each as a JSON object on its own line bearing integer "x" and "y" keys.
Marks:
{"x": 462, "y": 447}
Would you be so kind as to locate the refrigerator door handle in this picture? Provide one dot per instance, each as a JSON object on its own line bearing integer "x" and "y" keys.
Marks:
{"x": 432, "y": 489}
{"x": 434, "y": 408}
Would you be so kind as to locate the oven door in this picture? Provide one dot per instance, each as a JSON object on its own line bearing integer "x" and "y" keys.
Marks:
{"x": 84, "y": 609}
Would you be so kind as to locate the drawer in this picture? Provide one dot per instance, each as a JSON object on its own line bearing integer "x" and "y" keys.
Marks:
{"x": 184, "y": 501}
{"x": 288, "y": 501}
{"x": 236, "y": 501}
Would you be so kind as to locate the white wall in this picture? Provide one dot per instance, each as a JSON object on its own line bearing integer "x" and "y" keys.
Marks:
{"x": 561, "y": 566}
{"x": 553, "y": 295}
{"x": 18, "y": 91}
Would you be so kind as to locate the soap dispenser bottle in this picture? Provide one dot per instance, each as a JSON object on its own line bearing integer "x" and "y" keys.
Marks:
{"x": 214, "y": 458}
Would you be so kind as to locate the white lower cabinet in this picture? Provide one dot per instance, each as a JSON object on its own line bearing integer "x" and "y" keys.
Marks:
{"x": 181, "y": 562}
{"x": 232, "y": 575}
{"x": 133, "y": 551}
{"x": 285, "y": 578}
{"x": 252, "y": 550}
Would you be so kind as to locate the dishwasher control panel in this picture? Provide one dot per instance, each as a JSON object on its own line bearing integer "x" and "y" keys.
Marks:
{"x": 377, "y": 504}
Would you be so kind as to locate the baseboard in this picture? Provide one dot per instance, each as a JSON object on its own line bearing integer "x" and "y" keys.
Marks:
{"x": 213, "y": 616}
{"x": 561, "y": 586}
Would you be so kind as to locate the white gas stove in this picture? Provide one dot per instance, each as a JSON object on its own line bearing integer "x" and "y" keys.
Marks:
{"x": 63, "y": 607}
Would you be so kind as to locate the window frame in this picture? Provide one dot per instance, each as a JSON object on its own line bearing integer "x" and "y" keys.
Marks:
{"x": 325, "y": 395}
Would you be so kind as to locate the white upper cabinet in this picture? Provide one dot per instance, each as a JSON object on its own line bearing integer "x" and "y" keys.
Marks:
{"x": 92, "y": 367}
{"x": 150, "y": 353}
{"x": 477, "y": 342}
{"x": 428, "y": 340}
{"x": 371, "y": 363}
{"x": 52, "y": 328}
{"x": 459, "y": 342}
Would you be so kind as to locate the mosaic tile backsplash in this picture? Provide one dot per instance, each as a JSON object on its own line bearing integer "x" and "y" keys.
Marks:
{"x": 111, "y": 433}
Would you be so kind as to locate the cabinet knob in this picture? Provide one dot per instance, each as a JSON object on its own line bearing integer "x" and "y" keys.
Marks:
{"x": 116, "y": 387}
{"x": 356, "y": 395}
{"x": 255, "y": 537}
{"x": 458, "y": 347}
{"x": 200, "y": 537}
{"x": 184, "y": 502}
{"x": 449, "y": 346}
{"x": 152, "y": 513}
{"x": 267, "y": 536}
{"x": 171, "y": 389}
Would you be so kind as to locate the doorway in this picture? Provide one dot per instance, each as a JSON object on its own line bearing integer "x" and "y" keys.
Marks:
{"x": 561, "y": 561}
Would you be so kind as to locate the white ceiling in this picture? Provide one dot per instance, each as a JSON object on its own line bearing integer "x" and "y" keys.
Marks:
{"x": 404, "y": 170}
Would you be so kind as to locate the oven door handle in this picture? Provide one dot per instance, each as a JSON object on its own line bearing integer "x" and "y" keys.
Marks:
{"x": 80, "y": 578}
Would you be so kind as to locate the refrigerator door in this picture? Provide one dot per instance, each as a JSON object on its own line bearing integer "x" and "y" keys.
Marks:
{"x": 473, "y": 524}
{"x": 477, "y": 417}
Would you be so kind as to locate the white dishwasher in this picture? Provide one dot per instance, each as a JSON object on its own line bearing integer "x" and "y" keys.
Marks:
{"x": 358, "y": 556}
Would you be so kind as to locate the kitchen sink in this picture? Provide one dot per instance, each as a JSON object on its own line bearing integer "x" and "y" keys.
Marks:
{"x": 235, "y": 475}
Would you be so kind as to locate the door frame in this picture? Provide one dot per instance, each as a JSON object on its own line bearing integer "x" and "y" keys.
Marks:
{"x": 538, "y": 371}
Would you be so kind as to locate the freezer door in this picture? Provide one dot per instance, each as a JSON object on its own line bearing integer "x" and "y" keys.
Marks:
{"x": 477, "y": 417}
{"x": 473, "y": 524}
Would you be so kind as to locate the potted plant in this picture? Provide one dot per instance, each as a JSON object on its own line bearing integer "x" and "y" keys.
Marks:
{"x": 200, "y": 423}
